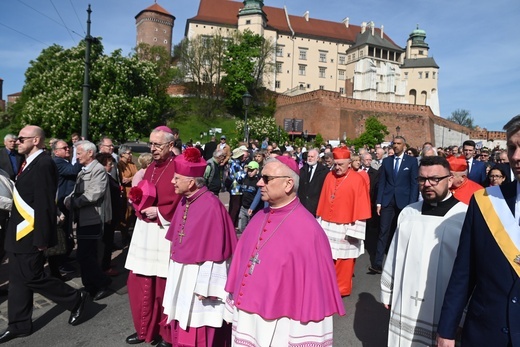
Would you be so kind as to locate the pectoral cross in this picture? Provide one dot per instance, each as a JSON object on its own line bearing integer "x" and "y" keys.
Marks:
{"x": 181, "y": 235}
{"x": 254, "y": 260}
{"x": 416, "y": 298}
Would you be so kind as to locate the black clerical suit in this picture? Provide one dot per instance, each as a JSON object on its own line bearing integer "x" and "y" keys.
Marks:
{"x": 309, "y": 191}
{"x": 36, "y": 186}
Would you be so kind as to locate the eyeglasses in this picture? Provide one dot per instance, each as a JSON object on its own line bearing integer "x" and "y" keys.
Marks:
{"x": 157, "y": 145}
{"x": 23, "y": 138}
{"x": 433, "y": 180}
{"x": 494, "y": 177}
{"x": 128, "y": 153}
{"x": 64, "y": 147}
{"x": 267, "y": 178}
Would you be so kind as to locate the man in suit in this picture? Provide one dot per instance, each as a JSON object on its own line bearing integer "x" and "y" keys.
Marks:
{"x": 67, "y": 174}
{"x": 90, "y": 204}
{"x": 312, "y": 176}
{"x": 10, "y": 159}
{"x": 487, "y": 268}
{"x": 476, "y": 169}
{"x": 397, "y": 189}
{"x": 209, "y": 148}
{"x": 32, "y": 229}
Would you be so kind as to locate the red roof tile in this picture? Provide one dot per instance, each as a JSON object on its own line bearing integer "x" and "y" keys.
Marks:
{"x": 156, "y": 8}
{"x": 225, "y": 12}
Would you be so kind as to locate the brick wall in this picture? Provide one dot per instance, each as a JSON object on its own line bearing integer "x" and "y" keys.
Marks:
{"x": 332, "y": 115}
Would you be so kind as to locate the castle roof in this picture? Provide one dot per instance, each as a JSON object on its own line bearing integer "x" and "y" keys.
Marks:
{"x": 156, "y": 8}
{"x": 419, "y": 62}
{"x": 374, "y": 40}
{"x": 225, "y": 12}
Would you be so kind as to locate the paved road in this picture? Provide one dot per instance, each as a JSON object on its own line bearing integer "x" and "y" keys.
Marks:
{"x": 108, "y": 321}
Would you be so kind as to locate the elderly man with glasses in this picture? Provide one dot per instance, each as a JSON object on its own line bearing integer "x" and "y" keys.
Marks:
{"x": 281, "y": 280}
{"x": 343, "y": 209}
{"x": 149, "y": 252}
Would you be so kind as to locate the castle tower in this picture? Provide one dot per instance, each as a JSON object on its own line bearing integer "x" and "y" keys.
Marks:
{"x": 252, "y": 17}
{"x": 421, "y": 72}
{"x": 154, "y": 26}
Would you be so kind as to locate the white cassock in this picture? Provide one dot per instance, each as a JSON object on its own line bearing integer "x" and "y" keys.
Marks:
{"x": 417, "y": 271}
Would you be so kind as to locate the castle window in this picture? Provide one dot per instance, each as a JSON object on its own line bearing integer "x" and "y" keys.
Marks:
{"x": 301, "y": 69}
{"x": 341, "y": 75}
{"x": 155, "y": 39}
{"x": 406, "y": 75}
{"x": 342, "y": 60}
{"x": 303, "y": 54}
{"x": 248, "y": 22}
{"x": 420, "y": 75}
{"x": 165, "y": 42}
{"x": 279, "y": 51}
{"x": 421, "y": 52}
{"x": 322, "y": 87}
{"x": 426, "y": 75}
{"x": 342, "y": 90}
{"x": 164, "y": 31}
{"x": 322, "y": 72}
{"x": 302, "y": 87}
{"x": 278, "y": 67}
{"x": 277, "y": 84}
{"x": 323, "y": 57}
{"x": 433, "y": 74}
{"x": 156, "y": 29}
{"x": 361, "y": 53}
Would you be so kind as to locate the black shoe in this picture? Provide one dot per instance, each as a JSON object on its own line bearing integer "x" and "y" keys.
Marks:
{"x": 163, "y": 344}
{"x": 133, "y": 339}
{"x": 8, "y": 335}
{"x": 375, "y": 269}
{"x": 101, "y": 294}
{"x": 77, "y": 311}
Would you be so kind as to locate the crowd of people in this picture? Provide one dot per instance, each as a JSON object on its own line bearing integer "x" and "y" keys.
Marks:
{"x": 271, "y": 269}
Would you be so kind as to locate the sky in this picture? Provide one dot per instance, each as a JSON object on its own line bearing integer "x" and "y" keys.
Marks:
{"x": 475, "y": 43}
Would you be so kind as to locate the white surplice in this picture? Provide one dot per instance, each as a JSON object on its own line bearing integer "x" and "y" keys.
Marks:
{"x": 417, "y": 271}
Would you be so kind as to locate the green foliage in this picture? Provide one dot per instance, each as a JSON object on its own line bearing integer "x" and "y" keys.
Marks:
{"x": 319, "y": 140}
{"x": 260, "y": 128}
{"x": 374, "y": 133}
{"x": 126, "y": 98}
{"x": 462, "y": 117}
{"x": 246, "y": 60}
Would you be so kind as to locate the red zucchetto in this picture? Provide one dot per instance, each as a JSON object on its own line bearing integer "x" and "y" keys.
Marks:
{"x": 341, "y": 153}
{"x": 457, "y": 164}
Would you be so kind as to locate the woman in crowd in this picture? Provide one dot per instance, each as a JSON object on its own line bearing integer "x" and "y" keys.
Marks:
{"x": 144, "y": 160}
{"x": 496, "y": 177}
{"x": 127, "y": 170}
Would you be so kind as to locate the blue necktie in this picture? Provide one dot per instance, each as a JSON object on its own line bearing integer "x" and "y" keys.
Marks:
{"x": 396, "y": 166}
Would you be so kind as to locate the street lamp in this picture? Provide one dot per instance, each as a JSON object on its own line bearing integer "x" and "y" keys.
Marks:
{"x": 398, "y": 130}
{"x": 246, "y": 99}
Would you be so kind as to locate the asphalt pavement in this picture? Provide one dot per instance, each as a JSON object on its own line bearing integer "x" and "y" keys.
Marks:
{"x": 108, "y": 322}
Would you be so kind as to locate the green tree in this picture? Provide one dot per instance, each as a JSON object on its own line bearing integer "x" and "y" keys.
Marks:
{"x": 260, "y": 128}
{"x": 374, "y": 133}
{"x": 246, "y": 63}
{"x": 125, "y": 97}
{"x": 462, "y": 117}
{"x": 200, "y": 63}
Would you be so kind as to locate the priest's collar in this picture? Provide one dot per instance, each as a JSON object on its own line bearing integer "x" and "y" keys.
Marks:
{"x": 439, "y": 208}
{"x": 195, "y": 195}
{"x": 281, "y": 208}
